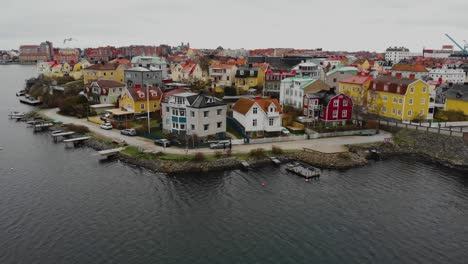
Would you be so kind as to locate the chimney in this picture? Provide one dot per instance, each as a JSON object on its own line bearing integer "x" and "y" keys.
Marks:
{"x": 412, "y": 76}
{"x": 398, "y": 75}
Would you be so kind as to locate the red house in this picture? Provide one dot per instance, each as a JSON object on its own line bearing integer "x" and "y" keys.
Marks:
{"x": 328, "y": 106}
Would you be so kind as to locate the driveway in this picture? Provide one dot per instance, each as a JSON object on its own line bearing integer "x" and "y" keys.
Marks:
{"x": 326, "y": 145}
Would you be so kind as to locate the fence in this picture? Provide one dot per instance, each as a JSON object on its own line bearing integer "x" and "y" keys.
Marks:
{"x": 395, "y": 125}
{"x": 314, "y": 135}
{"x": 440, "y": 124}
{"x": 277, "y": 139}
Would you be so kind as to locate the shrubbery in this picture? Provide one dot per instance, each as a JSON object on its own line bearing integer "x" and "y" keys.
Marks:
{"x": 257, "y": 153}
{"x": 277, "y": 150}
{"x": 199, "y": 156}
{"x": 78, "y": 129}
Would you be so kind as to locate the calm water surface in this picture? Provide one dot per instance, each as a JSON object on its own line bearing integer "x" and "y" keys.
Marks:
{"x": 61, "y": 205}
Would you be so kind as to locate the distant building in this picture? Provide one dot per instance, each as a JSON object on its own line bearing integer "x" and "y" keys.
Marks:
{"x": 273, "y": 82}
{"x": 258, "y": 115}
{"x": 100, "y": 54}
{"x": 222, "y": 75}
{"x": 151, "y": 63}
{"x": 187, "y": 72}
{"x": 328, "y": 106}
{"x": 410, "y": 71}
{"x": 397, "y": 54}
{"x": 143, "y": 76}
{"x": 36, "y": 53}
{"x": 444, "y": 53}
{"x": 104, "y": 71}
{"x": 447, "y": 75}
{"x": 138, "y": 50}
{"x": 309, "y": 69}
{"x": 71, "y": 56}
{"x": 194, "y": 114}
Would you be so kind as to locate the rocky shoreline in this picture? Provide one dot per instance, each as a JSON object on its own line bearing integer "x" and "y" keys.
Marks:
{"x": 447, "y": 151}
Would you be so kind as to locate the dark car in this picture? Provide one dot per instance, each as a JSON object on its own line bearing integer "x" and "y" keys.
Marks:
{"x": 128, "y": 132}
{"x": 162, "y": 142}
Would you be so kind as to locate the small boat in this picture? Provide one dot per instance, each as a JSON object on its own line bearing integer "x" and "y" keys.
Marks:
{"x": 56, "y": 131}
{"x": 21, "y": 93}
{"x": 303, "y": 170}
{"x": 275, "y": 160}
{"x": 245, "y": 165}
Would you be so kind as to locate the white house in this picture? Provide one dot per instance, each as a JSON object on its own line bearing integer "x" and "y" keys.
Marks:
{"x": 292, "y": 90}
{"x": 395, "y": 54}
{"x": 223, "y": 74}
{"x": 448, "y": 75}
{"x": 309, "y": 69}
{"x": 258, "y": 115}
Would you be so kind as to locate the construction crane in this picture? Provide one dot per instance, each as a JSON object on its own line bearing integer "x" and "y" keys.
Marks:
{"x": 463, "y": 49}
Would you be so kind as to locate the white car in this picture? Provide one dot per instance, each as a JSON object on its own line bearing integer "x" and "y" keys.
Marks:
{"x": 285, "y": 131}
{"x": 106, "y": 126}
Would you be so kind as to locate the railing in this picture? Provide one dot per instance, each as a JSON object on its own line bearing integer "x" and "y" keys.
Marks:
{"x": 450, "y": 131}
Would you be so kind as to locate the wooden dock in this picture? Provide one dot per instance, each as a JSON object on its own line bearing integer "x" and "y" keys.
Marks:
{"x": 303, "y": 170}
{"x": 57, "y": 136}
{"x": 109, "y": 152}
{"x": 42, "y": 126}
{"x": 76, "y": 141}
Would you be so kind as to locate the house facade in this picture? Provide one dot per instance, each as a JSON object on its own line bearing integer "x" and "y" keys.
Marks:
{"x": 273, "y": 82}
{"x": 447, "y": 75}
{"x": 194, "y": 114}
{"x": 309, "y": 69}
{"x": 151, "y": 63}
{"x": 397, "y": 54}
{"x": 403, "y": 99}
{"x": 292, "y": 90}
{"x": 222, "y": 75}
{"x": 187, "y": 72}
{"x": 356, "y": 87}
{"x": 258, "y": 115}
{"x": 143, "y": 77}
{"x": 135, "y": 100}
{"x": 104, "y": 91}
{"x": 410, "y": 71}
{"x": 104, "y": 71}
{"x": 249, "y": 77}
{"x": 335, "y": 76}
{"x": 457, "y": 98}
{"x": 328, "y": 106}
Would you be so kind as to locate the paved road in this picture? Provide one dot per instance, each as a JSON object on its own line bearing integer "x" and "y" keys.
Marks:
{"x": 326, "y": 145}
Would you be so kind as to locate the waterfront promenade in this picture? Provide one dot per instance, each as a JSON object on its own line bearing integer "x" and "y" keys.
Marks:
{"x": 325, "y": 145}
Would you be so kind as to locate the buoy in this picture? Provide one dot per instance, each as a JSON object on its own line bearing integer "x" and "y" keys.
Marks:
{"x": 263, "y": 184}
{"x": 307, "y": 180}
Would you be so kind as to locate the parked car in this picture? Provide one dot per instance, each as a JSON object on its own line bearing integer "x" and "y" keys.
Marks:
{"x": 106, "y": 126}
{"x": 220, "y": 144}
{"x": 162, "y": 142}
{"x": 285, "y": 131}
{"x": 128, "y": 132}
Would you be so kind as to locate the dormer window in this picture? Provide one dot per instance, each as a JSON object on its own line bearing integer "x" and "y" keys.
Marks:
{"x": 252, "y": 73}
{"x": 255, "y": 110}
{"x": 241, "y": 72}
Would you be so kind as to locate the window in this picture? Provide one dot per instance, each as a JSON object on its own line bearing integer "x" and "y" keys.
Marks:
{"x": 192, "y": 113}
{"x": 412, "y": 90}
{"x": 424, "y": 89}
{"x": 255, "y": 110}
{"x": 335, "y": 103}
{"x": 155, "y": 105}
{"x": 421, "y": 113}
{"x": 344, "y": 113}
{"x": 252, "y": 73}
{"x": 182, "y": 126}
{"x": 345, "y": 102}
{"x": 410, "y": 113}
{"x": 112, "y": 73}
{"x": 272, "y": 109}
{"x": 142, "y": 106}
{"x": 219, "y": 111}
{"x": 394, "y": 99}
{"x": 254, "y": 122}
{"x": 335, "y": 113}
{"x": 400, "y": 101}
{"x": 205, "y": 114}
{"x": 193, "y": 127}
{"x": 271, "y": 121}
{"x": 385, "y": 98}
{"x": 410, "y": 101}
{"x": 393, "y": 110}
{"x": 423, "y": 101}
{"x": 182, "y": 112}
{"x": 399, "y": 112}
{"x": 219, "y": 124}
{"x": 206, "y": 127}
{"x": 384, "y": 109}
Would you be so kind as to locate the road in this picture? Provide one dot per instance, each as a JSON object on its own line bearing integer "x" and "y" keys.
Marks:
{"x": 325, "y": 145}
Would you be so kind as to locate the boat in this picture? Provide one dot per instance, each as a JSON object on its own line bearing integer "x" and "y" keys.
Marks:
{"x": 303, "y": 170}
{"x": 21, "y": 93}
{"x": 275, "y": 160}
{"x": 16, "y": 115}
{"x": 30, "y": 100}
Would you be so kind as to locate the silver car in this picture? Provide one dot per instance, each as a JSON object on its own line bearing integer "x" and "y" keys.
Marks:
{"x": 220, "y": 144}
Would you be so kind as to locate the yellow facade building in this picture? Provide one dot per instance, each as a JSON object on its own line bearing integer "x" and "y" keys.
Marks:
{"x": 356, "y": 87}
{"x": 403, "y": 99}
{"x": 249, "y": 77}
{"x": 134, "y": 100}
{"x": 104, "y": 71}
{"x": 457, "y": 98}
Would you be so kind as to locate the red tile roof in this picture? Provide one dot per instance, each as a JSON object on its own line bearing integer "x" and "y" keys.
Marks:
{"x": 357, "y": 79}
{"x": 392, "y": 83}
{"x": 139, "y": 94}
{"x": 409, "y": 68}
{"x": 103, "y": 67}
{"x": 243, "y": 105}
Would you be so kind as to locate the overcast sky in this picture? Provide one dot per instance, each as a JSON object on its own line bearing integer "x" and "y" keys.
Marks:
{"x": 332, "y": 25}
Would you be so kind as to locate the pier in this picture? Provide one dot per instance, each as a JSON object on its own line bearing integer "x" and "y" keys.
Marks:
{"x": 109, "y": 152}
{"x": 76, "y": 141}
{"x": 57, "y": 136}
{"x": 42, "y": 126}
{"x": 303, "y": 170}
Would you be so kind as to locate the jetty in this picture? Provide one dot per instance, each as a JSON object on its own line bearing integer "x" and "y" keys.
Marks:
{"x": 245, "y": 165}
{"x": 16, "y": 115}
{"x": 42, "y": 126}
{"x": 76, "y": 141}
{"x": 109, "y": 152}
{"x": 57, "y": 136}
{"x": 303, "y": 170}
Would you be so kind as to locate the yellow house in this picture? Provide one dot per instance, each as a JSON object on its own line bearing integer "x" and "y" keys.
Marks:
{"x": 249, "y": 77}
{"x": 104, "y": 71}
{"x": 356, "y": 87}
{"x": 457, "y": 98}
{"x": 400, "y": 98}
{"x": 77, "y": 71}
{"x": 187, "y": 72}
{"x": 134, "y": 100}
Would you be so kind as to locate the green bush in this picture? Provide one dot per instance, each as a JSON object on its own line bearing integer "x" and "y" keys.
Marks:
{"x": 277, "y": 150}
{"x": 257, "y": 153}
{"x": 78, "y": 129}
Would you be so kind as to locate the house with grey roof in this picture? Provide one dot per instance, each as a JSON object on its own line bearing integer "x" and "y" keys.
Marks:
{"x": 144, "y": 77}
{"x": 151, "y": 63}
{"x": 194, "y": 114}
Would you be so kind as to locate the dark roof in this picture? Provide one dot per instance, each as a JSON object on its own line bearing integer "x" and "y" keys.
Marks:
{"x": 139, "y": 94}
{"x": 203, "y": 101}
{"x": 392, "y": 83}
{"x": 458, "y": 92}
{"x": 244, "y": 72}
